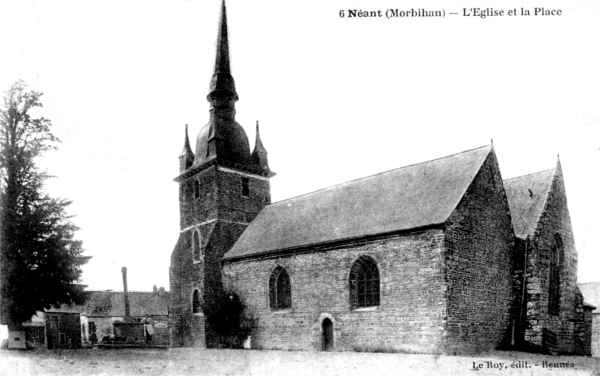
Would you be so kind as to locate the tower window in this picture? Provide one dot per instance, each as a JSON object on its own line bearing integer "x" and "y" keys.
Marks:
{"x": 556, "y": 263}
{"x": 280, "y": 289}
{"x": 364, "y": 283}
{"x": 196, "y": 189}
{"x": 196, "y": 301}
{"x": 196, "y": 246}
{"x": 245, "y": 187}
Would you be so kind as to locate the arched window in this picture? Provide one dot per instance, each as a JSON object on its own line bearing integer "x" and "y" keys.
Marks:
{"x": 557, "y": 254}
{"x": 364, "y": 283}
{"x": 196, "y": 245}
{"x": 196, "y": 301}
{"x": 280, "y": 289}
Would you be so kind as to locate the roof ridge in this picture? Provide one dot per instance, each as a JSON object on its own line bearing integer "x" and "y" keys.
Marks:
{"x": 377, "y": 174}
{"x": 531, "y": 173}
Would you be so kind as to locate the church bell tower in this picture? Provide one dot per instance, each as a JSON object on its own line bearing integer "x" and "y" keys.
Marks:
{"x": 222, "y": 188}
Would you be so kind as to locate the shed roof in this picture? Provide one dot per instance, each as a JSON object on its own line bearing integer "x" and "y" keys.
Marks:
{"x": 112, "y": 304}
{"x": 140, "y": 303}
{"x": 526, "y": 198}
{"x": 591, "y": 292}
{"x": 406, "y": 198}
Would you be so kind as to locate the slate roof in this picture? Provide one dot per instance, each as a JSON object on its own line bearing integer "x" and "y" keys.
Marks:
{"x": 526, "y": 198}
{"x": 112, "y": 304}
{"x": 406, "y": 198}
{"x": 591, "y": 293}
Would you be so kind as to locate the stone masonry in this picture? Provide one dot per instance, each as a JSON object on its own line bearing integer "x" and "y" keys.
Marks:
{"x": 220, "y": 214}
{"x": 410, "y": 317}
{"x": 478, "y": 267}
{"x": 446, "y": 289}
{"x": 553, "y": 220}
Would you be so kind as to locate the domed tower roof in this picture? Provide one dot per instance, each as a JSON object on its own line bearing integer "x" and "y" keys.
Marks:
{"x": 223, "y": 140}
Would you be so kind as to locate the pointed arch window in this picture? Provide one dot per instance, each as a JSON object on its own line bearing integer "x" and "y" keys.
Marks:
{"x": 196, "y": 249}
{"x": 364, "y": 283}
{"x": 196, "y": 301}
{"x": 280, "y": 289}
{"x": 556, "y": 263}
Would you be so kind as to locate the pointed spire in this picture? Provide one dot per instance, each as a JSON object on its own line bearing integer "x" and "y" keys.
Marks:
{"x": 186, "y": 158}
{"x": 258, "y": 146}
{"x": 187, "y": 150}
{"x": 222, "y": 84}
{"x": 558, "y": 165}
{"x": 222, "y": 58}
{"x": 259, "y": 155}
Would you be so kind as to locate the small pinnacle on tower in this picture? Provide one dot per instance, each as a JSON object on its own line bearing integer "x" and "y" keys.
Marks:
{"x": 186, "y": 158}
{"x": 258, "y": 145}
{"x": 259, "y": 155}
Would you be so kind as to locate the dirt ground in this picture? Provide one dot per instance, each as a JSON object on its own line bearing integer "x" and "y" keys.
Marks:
{"x": 253, "y": 362}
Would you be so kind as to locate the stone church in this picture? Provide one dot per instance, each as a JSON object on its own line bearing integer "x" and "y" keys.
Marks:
{"x": 438, "y": 257}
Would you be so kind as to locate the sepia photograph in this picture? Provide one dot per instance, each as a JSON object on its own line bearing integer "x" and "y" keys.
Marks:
{"x": 267, "y": 187}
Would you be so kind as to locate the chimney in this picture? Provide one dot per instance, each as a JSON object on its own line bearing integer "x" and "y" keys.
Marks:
{"x": 126, "y": 294}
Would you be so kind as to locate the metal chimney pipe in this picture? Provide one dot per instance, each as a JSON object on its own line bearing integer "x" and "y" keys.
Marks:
{"x": 125, "y": 293}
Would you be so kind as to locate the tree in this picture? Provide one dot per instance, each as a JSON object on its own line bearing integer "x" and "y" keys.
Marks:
{"x": 40, "y": 259}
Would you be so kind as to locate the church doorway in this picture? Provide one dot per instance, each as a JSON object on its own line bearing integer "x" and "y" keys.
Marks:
{"x": 327, "y": 331}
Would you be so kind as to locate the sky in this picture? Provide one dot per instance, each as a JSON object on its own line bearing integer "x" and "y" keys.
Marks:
{"x": 337, "y": 99}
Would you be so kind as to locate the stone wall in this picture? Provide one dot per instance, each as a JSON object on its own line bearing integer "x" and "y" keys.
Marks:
{"x": 410, "y": 315}
{"x": 220, "y": 197}
{"x": 220, "y": 214}
{"x": 104, "y": 325}
{"x": 553, "y": 220}
{"x": 235, "y": 207}
{"x": 595, "y": 331}
{"x": 161, "y": 330}
{"x": 479, "y": 273}
{"x": 582, "y": 336}
{"x": 185, "y": 328}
